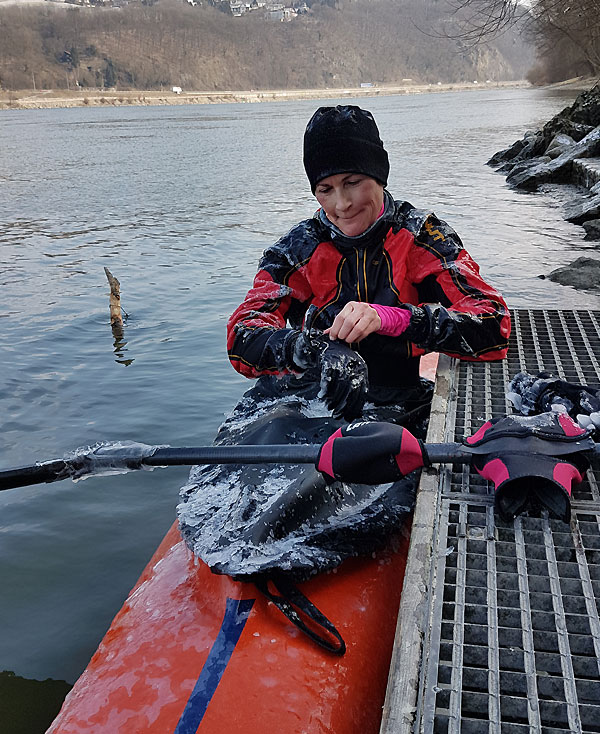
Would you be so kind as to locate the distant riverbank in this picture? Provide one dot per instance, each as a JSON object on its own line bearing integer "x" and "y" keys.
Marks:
{"x": 44, "y": 99}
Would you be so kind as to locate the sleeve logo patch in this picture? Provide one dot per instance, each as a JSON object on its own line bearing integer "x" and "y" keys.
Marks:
{"x": 434, "y": 233}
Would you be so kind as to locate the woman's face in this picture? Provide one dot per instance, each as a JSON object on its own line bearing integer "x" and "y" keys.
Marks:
{"x": 352, "y": 201}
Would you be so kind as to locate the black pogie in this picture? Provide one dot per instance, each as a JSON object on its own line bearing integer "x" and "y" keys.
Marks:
{"x": 372, "y": 453}
{"x": 532, "y": 461}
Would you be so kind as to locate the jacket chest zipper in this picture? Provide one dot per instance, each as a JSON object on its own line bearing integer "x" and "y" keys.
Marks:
{"x": 361, "y": 275}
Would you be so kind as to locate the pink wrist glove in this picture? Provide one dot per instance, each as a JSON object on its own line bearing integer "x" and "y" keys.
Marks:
{"x": 394, "y": 320}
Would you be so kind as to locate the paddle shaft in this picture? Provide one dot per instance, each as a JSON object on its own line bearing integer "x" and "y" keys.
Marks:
{"x": 57, "y": 469}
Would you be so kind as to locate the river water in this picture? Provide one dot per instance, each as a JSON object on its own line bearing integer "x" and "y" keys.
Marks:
{"x": 179, "y": 202}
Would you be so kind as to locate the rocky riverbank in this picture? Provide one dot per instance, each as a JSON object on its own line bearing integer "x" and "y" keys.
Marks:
{"x": 44, "y": 99}
{"x": 565, "y": 151}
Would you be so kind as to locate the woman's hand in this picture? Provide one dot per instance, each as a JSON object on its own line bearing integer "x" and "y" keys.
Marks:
{"x": 354, "y": 322}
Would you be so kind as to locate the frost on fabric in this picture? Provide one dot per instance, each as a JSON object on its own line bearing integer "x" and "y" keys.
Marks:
{"x": 107, "y": 458}
{"x": 531, "y": 394}
{"x": 221, "y": 506}
{"x": 220, "y": 512}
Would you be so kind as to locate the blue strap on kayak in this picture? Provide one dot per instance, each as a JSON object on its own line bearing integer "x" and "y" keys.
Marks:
{"x": 237, "y": 612}
{"x": 302, "y": 613}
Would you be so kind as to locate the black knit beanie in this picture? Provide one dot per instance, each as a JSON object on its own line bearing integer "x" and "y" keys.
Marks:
{"x": 343, "y": 139}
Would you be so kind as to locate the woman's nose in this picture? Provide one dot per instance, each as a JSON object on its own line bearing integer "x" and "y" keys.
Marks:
{"x": 343, "y": 201}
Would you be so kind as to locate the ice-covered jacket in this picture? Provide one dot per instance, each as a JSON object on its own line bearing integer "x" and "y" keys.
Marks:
{"x": 408, "y": 258}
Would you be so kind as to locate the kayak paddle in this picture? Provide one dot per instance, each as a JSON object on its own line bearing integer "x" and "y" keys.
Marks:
{"x": 120, "y": 457}
{"x": 364, "y": 452}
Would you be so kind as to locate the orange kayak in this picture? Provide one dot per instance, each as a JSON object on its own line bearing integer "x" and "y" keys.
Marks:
{"x": 194, "y": 652}
{"x": 191, "y": 651}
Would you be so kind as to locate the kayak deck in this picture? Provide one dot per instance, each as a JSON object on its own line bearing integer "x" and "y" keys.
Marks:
{"x": 194, "y": 651}
{"x": 501, "y": 619}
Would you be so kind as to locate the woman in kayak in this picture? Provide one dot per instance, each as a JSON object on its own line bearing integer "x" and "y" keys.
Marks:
{"x": 349, "y": 299}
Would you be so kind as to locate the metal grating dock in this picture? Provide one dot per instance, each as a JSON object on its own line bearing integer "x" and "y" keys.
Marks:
{"x": 499, "y": 625}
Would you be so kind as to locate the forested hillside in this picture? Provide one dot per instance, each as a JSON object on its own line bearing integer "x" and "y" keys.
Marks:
{"x": 172, "y": 43}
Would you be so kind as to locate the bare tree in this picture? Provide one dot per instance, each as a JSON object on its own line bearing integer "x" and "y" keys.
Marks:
{"x": 478, "y": 20}
{"x": 574, "y": 24}
{"x": 565, "y": 31}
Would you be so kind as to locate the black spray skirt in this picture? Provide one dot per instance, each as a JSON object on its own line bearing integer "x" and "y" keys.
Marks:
{"x": 256, "y": 521}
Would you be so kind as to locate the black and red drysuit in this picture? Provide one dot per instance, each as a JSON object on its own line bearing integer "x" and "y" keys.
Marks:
{"x": 407, "y": 258}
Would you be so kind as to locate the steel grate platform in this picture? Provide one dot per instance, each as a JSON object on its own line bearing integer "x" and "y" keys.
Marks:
{"x": 509, "y": 640}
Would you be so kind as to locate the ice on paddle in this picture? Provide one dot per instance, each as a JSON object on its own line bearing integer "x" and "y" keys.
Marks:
{"x": 107, "y": 458}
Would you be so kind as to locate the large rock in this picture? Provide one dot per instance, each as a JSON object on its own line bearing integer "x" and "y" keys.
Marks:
{"x": 575, "y": 121}
{"x": 584, "y": 209}
{"x": 586, "y": 108}
{"x": 563, "y": 126}
{"x": 513, "y": 168}
{"x": 508, "y": 154}
{"x": 592, "y": 229}
{"x": 559, "y": 144}
{"x": 559, "y": 169}
{"x": 583, "y": 274}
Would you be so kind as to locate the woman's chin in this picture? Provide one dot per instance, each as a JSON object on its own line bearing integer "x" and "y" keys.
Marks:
{"x": 351, "y": 229}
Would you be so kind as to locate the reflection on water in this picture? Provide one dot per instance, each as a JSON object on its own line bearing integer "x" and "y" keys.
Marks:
{"x": 119, "y": 343}
{"x": 181, "y": 202}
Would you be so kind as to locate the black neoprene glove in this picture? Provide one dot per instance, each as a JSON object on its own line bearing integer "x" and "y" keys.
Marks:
{"x": 343, "y": 373}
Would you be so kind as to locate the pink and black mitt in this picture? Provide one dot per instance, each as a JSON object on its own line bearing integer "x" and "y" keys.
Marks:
{"x": 371, "y": 453}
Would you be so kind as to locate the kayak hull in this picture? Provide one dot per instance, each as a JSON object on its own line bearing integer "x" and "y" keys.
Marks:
{"x": 192, "y": 651}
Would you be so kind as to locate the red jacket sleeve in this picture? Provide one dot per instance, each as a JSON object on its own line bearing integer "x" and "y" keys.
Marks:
{"x": 459, "y": 313}
{"x": 257, "y": 338}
